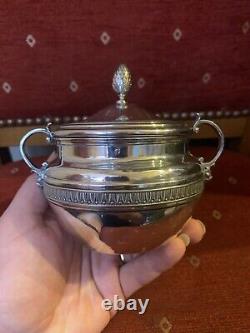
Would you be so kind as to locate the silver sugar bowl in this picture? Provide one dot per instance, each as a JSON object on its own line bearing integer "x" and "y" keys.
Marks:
{"x": 123, "y": 182}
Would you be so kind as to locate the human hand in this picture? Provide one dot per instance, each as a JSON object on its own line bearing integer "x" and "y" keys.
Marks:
{"x": 49, "y": 282}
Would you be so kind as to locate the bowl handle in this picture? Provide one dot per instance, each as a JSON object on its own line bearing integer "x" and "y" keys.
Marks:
{"x": 39, "y": 171}
{"x": 205, "y": 166}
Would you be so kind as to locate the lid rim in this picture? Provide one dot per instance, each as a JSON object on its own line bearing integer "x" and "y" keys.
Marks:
{"x": 123, "y": 129}
{"x": 128, "y": 123}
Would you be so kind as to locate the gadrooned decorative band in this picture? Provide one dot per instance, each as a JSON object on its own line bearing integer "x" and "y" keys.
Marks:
{"x": 121, "y": 198}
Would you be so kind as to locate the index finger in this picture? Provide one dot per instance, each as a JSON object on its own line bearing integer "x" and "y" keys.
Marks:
{"x": 28, "y": 199}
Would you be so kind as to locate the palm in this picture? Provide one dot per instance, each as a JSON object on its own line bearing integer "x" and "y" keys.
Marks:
{"x": 51, "y": 283}
{"x": 63, "y": 280}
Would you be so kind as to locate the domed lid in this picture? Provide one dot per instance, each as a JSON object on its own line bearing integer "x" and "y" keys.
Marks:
{"x": 122, "y": 119}
{"x": 121, "y": 111}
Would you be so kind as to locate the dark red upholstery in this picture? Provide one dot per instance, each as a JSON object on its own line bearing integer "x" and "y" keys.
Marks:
{"x": 208, "y": 291}
{"x": 58, "y": 57}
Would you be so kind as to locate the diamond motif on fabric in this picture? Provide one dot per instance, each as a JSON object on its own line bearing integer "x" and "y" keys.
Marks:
{"x": 245, "y": 27}
{"x": 165, "y": 325}
{"x": 73, "y": 86}
{"x": 30, "y": 40}
{"x": 194, "y": 261}
{"x": 232, "y": 180}
{"x": 216, "y": 214}
{"x": 141, "y": 83}
{"x": 14, "y": 170}
{"x": 206, "y": 78}
{"x": 6, "y": 87}
{"x": 105, "y": 38}
{"x": 177, "y": 34}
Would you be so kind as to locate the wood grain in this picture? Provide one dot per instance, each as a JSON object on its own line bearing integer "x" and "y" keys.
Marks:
{"x": 245, "y": 142}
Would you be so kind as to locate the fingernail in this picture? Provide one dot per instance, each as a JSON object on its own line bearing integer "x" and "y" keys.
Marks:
{"x": 203, "y": 227}
{"x": 185, "y": 238}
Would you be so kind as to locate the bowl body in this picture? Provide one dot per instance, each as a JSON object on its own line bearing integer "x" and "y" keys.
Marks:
{"x": 123, "y": 187}
{"x": 124, "y": 232}
{"x": 127, "y": 187}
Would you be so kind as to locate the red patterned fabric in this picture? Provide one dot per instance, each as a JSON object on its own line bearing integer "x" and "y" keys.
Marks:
{"x": 58, "y": 57}
{"x": 208, "y": 291}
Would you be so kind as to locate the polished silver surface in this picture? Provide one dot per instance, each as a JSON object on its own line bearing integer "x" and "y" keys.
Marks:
{"x": 125, "y": 232}
{"x": 121, "y": 200}
{"x": 123, "y": 186}
{"x": 39, "y": 171}
{"x": 206, "y": 166}
{"x": 121, "y": 84}
{"x": 150, "y": 130}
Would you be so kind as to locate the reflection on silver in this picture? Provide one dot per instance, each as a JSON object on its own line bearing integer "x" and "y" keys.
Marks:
{"x": 123, "y": 232}
{"x": 123, "y": 186}
{"x": 122, "y": 257}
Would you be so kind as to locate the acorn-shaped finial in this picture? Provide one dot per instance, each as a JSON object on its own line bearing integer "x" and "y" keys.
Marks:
{"x": 121, "y": 84}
